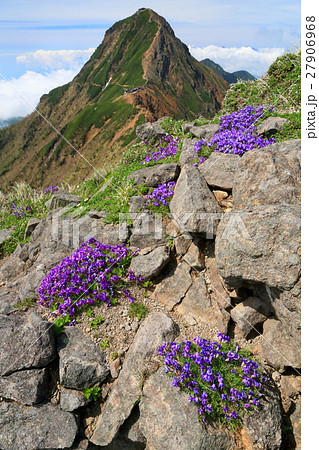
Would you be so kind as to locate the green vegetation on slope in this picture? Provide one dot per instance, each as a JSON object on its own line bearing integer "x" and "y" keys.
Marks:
{"x": 284, "y": 95}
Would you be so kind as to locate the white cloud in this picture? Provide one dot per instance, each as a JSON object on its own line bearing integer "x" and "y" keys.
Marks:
{"x": 19, "y": 96}
{"x": 243, "y": 58}
{"x": 55, "y": 59}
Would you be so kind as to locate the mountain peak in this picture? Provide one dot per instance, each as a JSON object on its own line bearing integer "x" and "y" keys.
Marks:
{"x": 140, "y": 72}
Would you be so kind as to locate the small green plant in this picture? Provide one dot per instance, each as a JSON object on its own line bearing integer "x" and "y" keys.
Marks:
{"x": 114, "y": 355}
{"x": 170, "y": 241}
{"x": 95, "y": 323}
{"x": 138, "y": 310}
{"x": 148, "y": 284}
{"x": 104, "y": 344}
{"x": 92, "y": 393}
{"x": 89, "y": 312}
{"x": 60, "y": 323}
{"x": 25, "y": 303}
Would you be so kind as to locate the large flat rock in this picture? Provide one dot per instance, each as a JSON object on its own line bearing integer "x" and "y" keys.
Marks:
{"x": 268, "y": 176}
{"x": 260, "y": 246}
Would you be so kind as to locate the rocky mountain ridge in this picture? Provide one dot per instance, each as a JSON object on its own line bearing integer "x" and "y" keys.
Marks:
{"x": 227, "y": 260}
{"x": 140, "y": 72}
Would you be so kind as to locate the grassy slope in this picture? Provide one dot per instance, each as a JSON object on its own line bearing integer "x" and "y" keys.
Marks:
{"x": 280, "y": 88}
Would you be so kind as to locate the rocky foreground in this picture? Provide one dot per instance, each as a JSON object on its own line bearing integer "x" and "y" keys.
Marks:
{"x": 227, "y": 260}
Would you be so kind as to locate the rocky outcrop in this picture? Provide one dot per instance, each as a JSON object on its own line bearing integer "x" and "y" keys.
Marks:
{"x": 271, "y": 125}
{"x": 193, "y": 206}
{"x": 126, "y": 392}
{"x": 188, "y": 154}
{"x": 204, "y": 131}
{"x": 260, "y": 245}
{"x": 269, "y": 176}
{"x": 232, "y": 268}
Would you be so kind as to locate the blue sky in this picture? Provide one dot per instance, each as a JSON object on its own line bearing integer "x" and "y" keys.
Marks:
{"x": 44, "y": 43}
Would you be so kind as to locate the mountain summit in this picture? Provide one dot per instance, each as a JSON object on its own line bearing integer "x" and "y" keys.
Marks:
{"x": 140, "y": 72}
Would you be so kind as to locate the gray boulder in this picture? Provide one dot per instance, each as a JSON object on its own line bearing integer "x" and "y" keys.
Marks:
{"x": 268, "y": 176}
{"x": 250, "y": 313}
{"x": 62, "y": 198}
{"x": 195, "y": 257}
{"x": 35, "y": 427}
{"x": 147, "y": 230}
{"x": 71, "y": 399}
{"x": 198, "y": 305}
{"x": 31, "y": 227}
{"x": 193, "y": 206}
{"x": 271, "y": 125}
{"x": 149, "y": 132}
{"x": 150, "y": 265}
{"x": 188, "y": 155}
{"x": 8, "y": 300}
{"x": 182, "y": 243}
{"x": 136, "y": 203}
{"x": 174, "y": 287}
{"x": 27, "y": 342}
{"x": 82, "y": 363}
{"x": 26, "y": 386}
{"x": 205, "y": 131}
{"x": 186, "y": 127}
{"x": 170, "y": 422}
{"x": 260, "y": 246}
{"x": 286, "y": 305}
{"x": 219, "y": 170}
{"x": 156, "y": 329}
{"x": 155, "y": 175}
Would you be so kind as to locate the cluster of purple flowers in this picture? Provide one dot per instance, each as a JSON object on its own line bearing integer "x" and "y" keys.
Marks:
{"x": 237, "y": 133}
{"x": 218, "y": 376}
{"x": 20, "y": 211}
{"x": 50, "y": 189}
{"x": 161, "y": 193}
{"x": 93, "y": 274}
{"x": 166, "y": 147}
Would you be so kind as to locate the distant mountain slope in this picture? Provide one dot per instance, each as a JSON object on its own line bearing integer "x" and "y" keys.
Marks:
{"x": 231, "y": 78}
{"x": 141, "y": 71}
{"x": 7, "y": 122}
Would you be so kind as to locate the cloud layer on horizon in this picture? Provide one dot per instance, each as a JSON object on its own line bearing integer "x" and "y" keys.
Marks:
{"x": 255, "y": 61}
{"x": 55, "y": 59}
{"x": 20, "y": 96}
